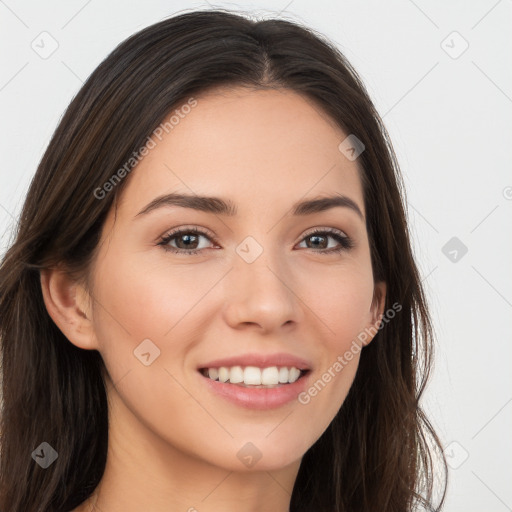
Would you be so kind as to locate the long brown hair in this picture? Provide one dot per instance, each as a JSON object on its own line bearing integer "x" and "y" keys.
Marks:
{"x": 378, "y": 452}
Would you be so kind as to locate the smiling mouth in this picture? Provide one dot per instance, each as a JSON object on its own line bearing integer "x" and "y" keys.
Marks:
{"x": 254, "y": 377}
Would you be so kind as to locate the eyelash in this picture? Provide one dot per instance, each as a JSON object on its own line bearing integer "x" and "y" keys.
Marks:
{"x": 344, "y": 241}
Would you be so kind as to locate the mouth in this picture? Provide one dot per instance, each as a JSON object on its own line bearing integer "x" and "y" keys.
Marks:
{"x": 255, "y": 377}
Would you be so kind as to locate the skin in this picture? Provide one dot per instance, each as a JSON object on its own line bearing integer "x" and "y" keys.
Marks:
{"x": 172, "y": 443}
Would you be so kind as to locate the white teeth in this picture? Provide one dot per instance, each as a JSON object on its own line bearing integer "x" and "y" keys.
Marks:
{"x": 283, "y": 375}
{"x": 223, "y": 374}
{"x": 254, "y": 376}
{"x": 236, "y": 375}
{"x": 270, "y": 376}
{"x": 294, "y": 375}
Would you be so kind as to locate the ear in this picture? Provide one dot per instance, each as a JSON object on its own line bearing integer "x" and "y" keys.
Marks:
{"x": 69, "y": 305}
{"x": 376, "y": 311}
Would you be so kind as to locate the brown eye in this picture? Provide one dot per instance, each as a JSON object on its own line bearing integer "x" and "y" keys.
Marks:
{"x": 186, "y": 241}
{"x": 320, "y": 240}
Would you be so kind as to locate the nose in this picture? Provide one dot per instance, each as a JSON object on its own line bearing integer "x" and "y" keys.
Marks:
{"x": 260, "y": 294}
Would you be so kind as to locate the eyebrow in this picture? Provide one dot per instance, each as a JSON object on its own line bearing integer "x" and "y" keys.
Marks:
{"x": 220, "y": 206}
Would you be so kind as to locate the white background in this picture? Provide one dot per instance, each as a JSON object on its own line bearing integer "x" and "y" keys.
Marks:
{"x": 449, "y": 119}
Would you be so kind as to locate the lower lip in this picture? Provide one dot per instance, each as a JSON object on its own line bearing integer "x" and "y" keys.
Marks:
{"x": 258, "y": 398}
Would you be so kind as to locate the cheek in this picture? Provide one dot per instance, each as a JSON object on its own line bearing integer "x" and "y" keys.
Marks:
{"x": 148, "y": 300}
{"x": 137, "y": 301}
{"x": 340, "y": 299}
{"x": 341, "y": 304}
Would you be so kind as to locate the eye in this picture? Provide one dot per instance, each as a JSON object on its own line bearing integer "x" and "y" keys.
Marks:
{"x": 186, "y": 240}
{"x": 319, "y": 239}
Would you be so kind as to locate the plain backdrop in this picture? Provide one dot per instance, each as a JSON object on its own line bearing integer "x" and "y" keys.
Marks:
{"x": 440, "y": 75}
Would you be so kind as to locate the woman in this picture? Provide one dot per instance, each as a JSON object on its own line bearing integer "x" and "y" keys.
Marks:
{"x": 211, "y": 301}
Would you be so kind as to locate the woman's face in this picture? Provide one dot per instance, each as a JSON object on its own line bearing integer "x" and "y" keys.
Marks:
{"x": 254, "y": 286}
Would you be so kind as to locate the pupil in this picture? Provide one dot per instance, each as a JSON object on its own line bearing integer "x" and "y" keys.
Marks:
{"x": 187, "y": 237}
{"x": 317, "y": 237}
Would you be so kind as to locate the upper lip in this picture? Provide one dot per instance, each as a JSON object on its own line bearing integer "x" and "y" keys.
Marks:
{"x": 260, "y": 361}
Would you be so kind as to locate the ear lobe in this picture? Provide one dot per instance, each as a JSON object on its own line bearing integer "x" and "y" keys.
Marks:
{"x": 376, "y": 310}
{"x": 68, "y": 304}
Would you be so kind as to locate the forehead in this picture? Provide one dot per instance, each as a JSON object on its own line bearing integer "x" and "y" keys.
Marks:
{"x": 261, "y": 148}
